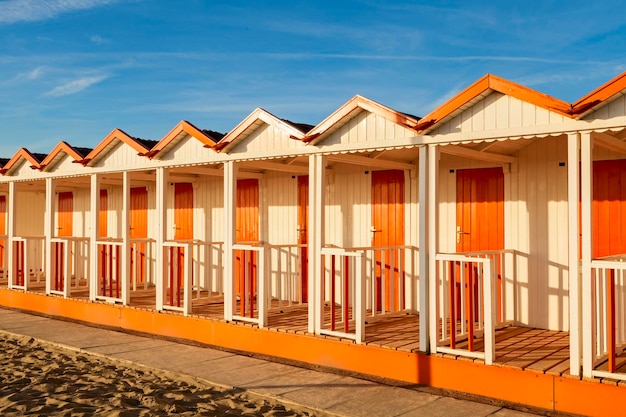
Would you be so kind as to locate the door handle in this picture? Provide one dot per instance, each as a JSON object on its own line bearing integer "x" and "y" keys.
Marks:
{"x": 374, "y": 230}
{"x": 459, "y": 232}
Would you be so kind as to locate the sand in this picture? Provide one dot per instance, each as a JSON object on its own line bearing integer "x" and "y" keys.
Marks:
{"x": 37, "y": 378}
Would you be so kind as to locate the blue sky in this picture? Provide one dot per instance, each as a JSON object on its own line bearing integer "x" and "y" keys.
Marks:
{"x": 74, "y": 70}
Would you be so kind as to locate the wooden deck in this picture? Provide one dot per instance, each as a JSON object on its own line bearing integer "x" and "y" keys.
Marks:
{"x": 526, "y": 348}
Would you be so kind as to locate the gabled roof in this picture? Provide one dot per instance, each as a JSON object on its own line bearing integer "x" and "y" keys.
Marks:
{"x": 350, "y": 109}
{"x": 142, "y": 146}
{"x": 254, "y": 120}
{"x": 78, "y": 154}
{"x": 604, "y": 93}
{"x": 207, "y": 137}
{"x": 481, "y": 89}
{"x": 33, "y": 158}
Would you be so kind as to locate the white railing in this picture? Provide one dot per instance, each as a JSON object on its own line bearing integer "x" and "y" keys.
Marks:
{"x": 466, "y": 294}
{"x": 69, "y": 259}
{"x": 142, "y": 261}
{"x": 342, "y": 311}
{"x": 207, "y": 269}
{"x": 608, "y": 316}
{"x": 177, "y": 276}
{"x": 287, "y": 276}
{"x": 249, "y": 277}
{"x": 4, "y": 253}
{"x": 391, "y": 279}
{"x": 109, "y": 271}
{"x": 28, "y": 260}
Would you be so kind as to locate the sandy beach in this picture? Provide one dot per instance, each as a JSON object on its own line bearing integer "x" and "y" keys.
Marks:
{"x": 37, "y": 378}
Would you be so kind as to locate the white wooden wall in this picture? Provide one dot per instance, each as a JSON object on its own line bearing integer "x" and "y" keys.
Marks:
{"x": 535, "y": 216}
{"x": 267, "y": 138}
{"x": 188, "y": 149}
{"x": 615, "y": 108}
{"x": 30, "y": 214}
{"x": 498, "y": 111}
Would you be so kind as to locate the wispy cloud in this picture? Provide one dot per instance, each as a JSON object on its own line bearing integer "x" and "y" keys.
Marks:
{"x": 99, "y": 40}
{"x": 75, "y": 86}
{"x": 14, "y": 11}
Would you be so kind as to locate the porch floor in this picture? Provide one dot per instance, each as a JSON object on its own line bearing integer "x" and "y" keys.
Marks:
{"x": 527, "y": 348}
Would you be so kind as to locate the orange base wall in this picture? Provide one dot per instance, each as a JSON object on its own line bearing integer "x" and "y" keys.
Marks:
{"x": 508, "y": 384}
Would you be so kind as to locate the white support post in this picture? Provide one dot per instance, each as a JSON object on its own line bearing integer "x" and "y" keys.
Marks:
{"x": 49, "y": 231}
{"x": 262, "y": 285}
{"x": 433, "y": 230}
{"x": 490, "y": 313}
{"x": 230, "y": 217}
{"x": 188, "y": 259}
{"x": 316, "y": 228}
{"x": 573, "y": 152}
{"x": 125, "y": 238}
{"x": 161, "y": 205}
{"x": 423, "y": 248}
{"x": 360, "y": 298}
{"x": 94, "y": 222}
{"x": 11, "y": 232}
{"x": 586, "y": 187}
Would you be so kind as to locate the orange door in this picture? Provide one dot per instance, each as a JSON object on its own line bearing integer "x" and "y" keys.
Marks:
{"x": 303, "y": 224}
{"x": 480, "y": 221}
{"x": 183, "y": 211}
{"x": 3, "y": 227}
{"x": 138, "y": 230}
{"x": 104, "y": 213}
{"x": 65, "y": 214}
{"x": 480, "y": 209}
{"x": 609, "y": 208}
{"x": 247, "y": 230}
{"x": 388, "y": 231}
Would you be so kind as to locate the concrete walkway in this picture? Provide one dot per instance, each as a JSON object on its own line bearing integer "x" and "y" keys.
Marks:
{"x": 321, "y": 392}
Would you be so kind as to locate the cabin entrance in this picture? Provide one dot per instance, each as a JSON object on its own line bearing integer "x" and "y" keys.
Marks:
{"x": 303, "y": 235}
{"x": 65, "y": 214}
{"x": 138, "y": 233}
{"x": 104, "y": 210}
{"x": 479, "y": 223}
{"x": 609, "y": 208}
{"x": 247, "y": 231}
{"x": 3, "y": 230}
{"x": 388, "y": 235}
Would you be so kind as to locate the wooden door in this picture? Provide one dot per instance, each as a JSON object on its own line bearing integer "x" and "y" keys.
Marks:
{"x": 3, "y": 228}
{"x": 303, "y": 235}
{"x": 479, "y": 209}
{"x": 480, "y": 224}
{"x": 388, "y": 232}
{"x": 247, "y": 231}
{"x": 609, "y": 208}
{"x": 138, "y": 230}
{"x": 65, "y": 214}
{"x": 183, "y": 211}
{"x": 104, "y": 214}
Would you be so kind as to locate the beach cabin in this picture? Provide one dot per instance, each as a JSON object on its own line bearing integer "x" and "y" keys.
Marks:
{"x": 479, "y": 248}
{"x": 366, "y": 222}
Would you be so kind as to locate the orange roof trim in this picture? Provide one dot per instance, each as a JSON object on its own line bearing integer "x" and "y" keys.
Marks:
{"x": 186, "y": 127}
{"x": 599, "y": 95}
{"x": 359, "y": 102}
{"x": 116, "y": 134}
{"x": 61, "y": 147}
{"x": 492, "y": 82}
{"x": 247, "y": 124}
{"x": 22, "y": 153}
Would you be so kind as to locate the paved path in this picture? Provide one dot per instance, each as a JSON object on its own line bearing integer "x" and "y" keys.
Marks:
{"x": 325, "y": 393}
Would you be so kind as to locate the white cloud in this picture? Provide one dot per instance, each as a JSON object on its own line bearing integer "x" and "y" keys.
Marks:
{"x": 98, "y": 40}
{"x": 14, "y": 11}
{"x": 75, "y": 86}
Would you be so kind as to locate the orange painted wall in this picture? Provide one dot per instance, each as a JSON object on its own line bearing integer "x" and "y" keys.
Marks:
{"x": 508, "y": 384}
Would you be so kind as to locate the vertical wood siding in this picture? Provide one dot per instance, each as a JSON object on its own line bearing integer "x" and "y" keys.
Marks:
{"x": 267, "y": 138}
{"x": 614, "y": 108}
{"x": 498, "y": 111}
{"x": 188, "y": 149}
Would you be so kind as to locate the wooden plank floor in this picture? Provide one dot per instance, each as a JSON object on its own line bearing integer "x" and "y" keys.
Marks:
{"x": 536, "y": 350}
